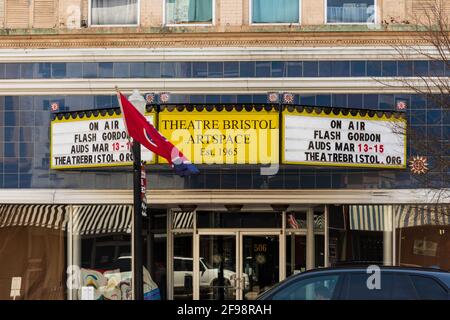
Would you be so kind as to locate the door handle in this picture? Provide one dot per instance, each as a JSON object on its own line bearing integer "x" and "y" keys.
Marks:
{"x": 243, "y": 282}
{"x": 237, "y": 283}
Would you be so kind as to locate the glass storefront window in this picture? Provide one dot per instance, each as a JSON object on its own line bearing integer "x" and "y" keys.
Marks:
{"x": 68, "y": 252}
{"x": 183, "y": 266}
{"x": 217, "y": 219}
{"x": 423, "y": 236}
{"x": 189, "y": 11}
{"x": 296, "y": 253}
{"x": 32, "y": 252}
{"x": 99, "y": 256}
{"x": 217, "y": 267}
{"x": 296, "y": 220}
{"x": 360, "y": 233}
{"x": 155, "y": 257}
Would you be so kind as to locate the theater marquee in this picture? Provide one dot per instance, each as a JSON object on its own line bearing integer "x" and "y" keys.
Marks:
{"x": 313, "y": 138}
{"x": 91, "y": 141}
{"x": 223, "y": 137}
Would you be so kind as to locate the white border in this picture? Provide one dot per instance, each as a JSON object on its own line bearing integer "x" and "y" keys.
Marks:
{"x": 211, "y": 85}
{"x": 212, "y": 54}
{"x": 114, "y": 25}
{"x": 351, "y": 23}
{"x": 251, "y": 23}
{"x": 164, "y": 18}
{"x": 249, "y": 197}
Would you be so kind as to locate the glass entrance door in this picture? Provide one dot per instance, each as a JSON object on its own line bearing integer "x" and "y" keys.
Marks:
{"x": 237, "y": 265}
{"x": 217, "y": 272}
{"x": 260, "y": 261}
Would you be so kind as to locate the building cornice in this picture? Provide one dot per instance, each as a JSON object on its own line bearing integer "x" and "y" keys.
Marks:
{"x": 211, "y": 39}
{"x": 208, "y": 85}
{"x": 15, "y": 55}
{"x": 173, "y": 198}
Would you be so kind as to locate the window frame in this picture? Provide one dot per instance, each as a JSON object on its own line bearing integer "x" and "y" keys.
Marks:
{"x": 251, "y": 23}
{"x": 336, "y": 293}
{"x": 438, "y": 281}
{"x": 165, "y": 23}
{"x": 345, "y": 292}
{"x": 114, "y": 25}
{"x": 375, "y": 5}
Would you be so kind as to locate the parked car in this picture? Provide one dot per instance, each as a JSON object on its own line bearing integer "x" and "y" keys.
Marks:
{"x": 358, "y": 283}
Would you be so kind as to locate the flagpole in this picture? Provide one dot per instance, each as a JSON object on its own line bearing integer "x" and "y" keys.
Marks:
{"x": 136, "y": 239}
{"x": 144, "y": 133}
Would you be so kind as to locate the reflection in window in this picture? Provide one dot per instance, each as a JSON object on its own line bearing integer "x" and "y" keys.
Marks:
{"x": 350, "y": 11}
{"x": 189, "y": 11}
{"x": 32, "y": 251}
{"x": 423, "y": 236}
{"x": 275, "y": 11}
{"x": 114, "y": 12}
{"x": 99, "y": 254}
{"x": 360, "y": 234}
{"x": 183, "y": 266}
{"x": 315, "y": 288}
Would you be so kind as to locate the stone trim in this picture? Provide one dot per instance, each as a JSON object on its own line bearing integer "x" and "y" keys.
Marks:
{"x": 170, "y": 40}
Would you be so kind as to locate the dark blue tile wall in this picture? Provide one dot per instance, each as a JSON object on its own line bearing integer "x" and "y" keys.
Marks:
{"x": 25, "y": 153}
{"x": 221, "y": 69}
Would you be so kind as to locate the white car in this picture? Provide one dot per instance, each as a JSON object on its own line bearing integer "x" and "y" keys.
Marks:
{"x": 183, "y": 267}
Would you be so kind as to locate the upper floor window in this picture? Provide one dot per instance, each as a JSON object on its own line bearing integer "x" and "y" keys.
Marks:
{"x": 189, "y": 11}
{"x": 275, "y": 11}
{"x": 351, "y": 11}
{"x": 114, "y": 12}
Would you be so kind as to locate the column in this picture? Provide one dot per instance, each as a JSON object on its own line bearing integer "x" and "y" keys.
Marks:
{"x": 310, "y": 246}
{"x": 387, "y": 235}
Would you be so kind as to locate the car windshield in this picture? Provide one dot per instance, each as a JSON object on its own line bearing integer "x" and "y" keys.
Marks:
{"x": 207, "y": 265}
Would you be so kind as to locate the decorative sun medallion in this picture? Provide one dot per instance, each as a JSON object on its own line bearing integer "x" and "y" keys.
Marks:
{"x": 150, "y": 97}
{"x": 401, "y": 105}
{"x": 418, "y": 165}
{"x": 54, "y": 106}
{"x": 288, "y": 98}
{"x": 164, "y": 97}
{"x": 273, "y": 97}
{"x": 260, "y": 259}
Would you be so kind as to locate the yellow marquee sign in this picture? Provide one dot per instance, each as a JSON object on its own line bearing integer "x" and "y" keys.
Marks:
{"x": 320, "y": 139}
{"x": 92, "y": 141}
{"x": 223, "y": 137}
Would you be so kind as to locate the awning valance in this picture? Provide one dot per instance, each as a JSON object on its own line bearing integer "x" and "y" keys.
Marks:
{"x": 182, "y": 220}
{"x": 46, "y": 216}
{"x": 377, "y": 217}
{"x": 422, "y": 215}
{"x": 100, "y": 219}
{"x": 369, "y": 218}
{"x": 84, "y": 220}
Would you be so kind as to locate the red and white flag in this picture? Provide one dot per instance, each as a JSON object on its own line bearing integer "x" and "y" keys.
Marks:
{"x": 143, "y": 132}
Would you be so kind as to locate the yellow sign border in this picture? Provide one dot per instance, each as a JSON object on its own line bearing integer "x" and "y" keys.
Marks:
{"x": 304, "y": 113}
{"x": 224, "y": 113}
{"x": 90, "y": 118}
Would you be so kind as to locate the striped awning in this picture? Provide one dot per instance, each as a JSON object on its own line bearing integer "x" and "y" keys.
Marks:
{"x": 84, "y": 220}
{"x": 38, "y": 215}
{"x": 182, "y": 220}
{"x": 100, "y": 219}
{"x": 422, "y": 215}
{"x": 369, "y": 218}
{"x": 377, "y": 217}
